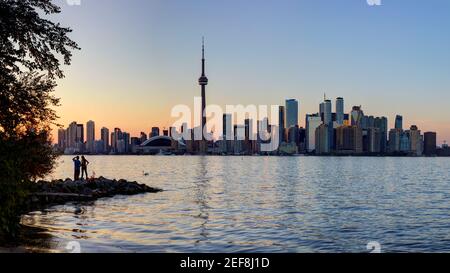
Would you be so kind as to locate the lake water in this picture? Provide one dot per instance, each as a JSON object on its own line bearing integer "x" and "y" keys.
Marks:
{"x": 259, "y": 204}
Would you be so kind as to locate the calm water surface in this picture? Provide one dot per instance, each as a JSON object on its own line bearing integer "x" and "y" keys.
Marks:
{"x": 259, "y": 204}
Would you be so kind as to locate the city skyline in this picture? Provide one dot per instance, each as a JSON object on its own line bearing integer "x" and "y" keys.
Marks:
{"x": 138, "y": 76}
{"x": 325, "y": 132}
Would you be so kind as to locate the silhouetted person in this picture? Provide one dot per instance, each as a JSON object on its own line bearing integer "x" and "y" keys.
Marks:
{"x": 84, "y": 164}
{"x": 77, "y": 166}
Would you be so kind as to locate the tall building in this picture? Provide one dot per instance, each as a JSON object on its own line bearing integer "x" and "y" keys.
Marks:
{"x": 340, "y": 111}
{"x": 293, "y": 136}
{"x": 143, "y": 137}
{"x": 356, "y": 116}
{"x": 327, "y": 118}
{"x": 104, "y": 132}
{"x": 312, "y": 122}
{"x": 291, "y": 113}
{"x": 430, "y": 143}
{"x": 203, "y": 82}
{"x": 399, "y": 122}
{"x": 326, "y": 112}
{"x": 394, "y": 140}
{"x": 71, "y": 138}
{"x": 90, "y": 136}
{"x": 227, "y": 127}
{"x": 415, "y": 143}
{"x": 155, "y": 132}
{"x": 79, "y": 139}
{"x": 322, "y": 139}
{"x": 349, "y": 140}
{"x": 281, "y": 126}
{"x": 405, "y": 146}
{"x": 384, "y": 134}
{"x": 126, "y": 142}
{"x": 374, "y": 140}
{"x": 62, "y": 139}
{"x": 117, "y": 140}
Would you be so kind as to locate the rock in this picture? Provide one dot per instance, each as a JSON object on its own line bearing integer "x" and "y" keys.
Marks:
{"x": 59, "y": 192}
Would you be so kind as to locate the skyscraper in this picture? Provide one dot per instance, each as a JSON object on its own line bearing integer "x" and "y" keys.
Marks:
{"x": 322, "y": 139}
{"x": 429, "y": 143}
{"x": 312, "y": 122}
{"x": 349, "y": 140}
{"x": 340, "y": 111}
{"x": 415, "y": 141}
{"x": 155, "y": 132}
{"x": 394, "y": 140}
{"x": 116, "y": 138}
{"x": 356, "y": 116}
{"x": 71, "y": 135}
{"x": 105, "y": 138}
{"x": 62, "y": 139}
{"x": 143, "y": 137}
{"x": 399, "y": 122}
{"x": 327, "y": 112}
{"x": 291, "y": 113}
{"x": 90, "y": 134}
{"x": 126, "y": 142}
{"x": 80, "y": 134}
{"x": 281, "y": 126}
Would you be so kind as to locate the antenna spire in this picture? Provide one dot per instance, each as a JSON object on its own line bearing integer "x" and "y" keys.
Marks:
{"x": 203, "y": 47}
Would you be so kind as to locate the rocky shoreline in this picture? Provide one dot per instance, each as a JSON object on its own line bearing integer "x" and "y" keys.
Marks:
{"x": 43, "y": 193}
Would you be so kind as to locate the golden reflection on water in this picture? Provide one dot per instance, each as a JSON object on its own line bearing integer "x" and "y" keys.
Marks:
{"x": 269, "y": 204}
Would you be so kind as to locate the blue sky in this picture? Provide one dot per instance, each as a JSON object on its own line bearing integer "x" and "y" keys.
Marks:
{"x": 139, "y": 58}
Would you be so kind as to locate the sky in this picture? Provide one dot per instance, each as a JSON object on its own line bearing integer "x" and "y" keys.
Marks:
{"x": 140, "y": 58}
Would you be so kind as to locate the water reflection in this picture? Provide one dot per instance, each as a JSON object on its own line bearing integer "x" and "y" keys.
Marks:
{"x": 201, "y": 183}
{"x": 259, "y": 204}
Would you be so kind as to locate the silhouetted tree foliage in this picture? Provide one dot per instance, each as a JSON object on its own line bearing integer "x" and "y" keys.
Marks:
{"x": 31, "y": 48}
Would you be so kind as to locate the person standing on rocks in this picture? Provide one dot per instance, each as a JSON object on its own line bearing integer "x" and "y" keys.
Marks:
{"x": 84, "y": 164}
{"x": 77, "y": 166}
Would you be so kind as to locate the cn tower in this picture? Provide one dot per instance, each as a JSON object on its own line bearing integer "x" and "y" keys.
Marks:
{"x": 203, "y": 81}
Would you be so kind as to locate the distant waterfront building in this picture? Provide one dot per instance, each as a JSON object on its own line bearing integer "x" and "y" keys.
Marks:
{"x": 90, "y": 136}
{"x": 302, "y": 140}
{"x": 340, "y": 111}
{"x": 293, "y": 136}
{"x": 104, "y": 132}
{"x": 227, "y": 133}
{"x": 116, "y": 137}
{"x": 349, "y": 140}
{"x": 99, "y": 147}
{"x": 71, "y": 136}
{"x": 382, "y": 124}
{"x": 126, "y": 142}
{"x": 384, "y": 134}
{"x": 155, "y": 132}
{"x": 415, "y": 141}
{"x": 356, "y": 116}
{"x": 322, "y": 139}
{"x": 374, "y": 140}
{"x": 430, "y": 143}
{"x": 62, "y": 139}
{"x": 281, "y": 125}
{"x": 291, "y": 113}
{"x": 399, "y": 122}
{"x": 325, "y": 110}
{"x": 394, "y": 140}
{"x": 404, "y": 142}
{"x": 143, "y": 137}
{"x": 80, "y": 134}
{"x": 312, "y": 122}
